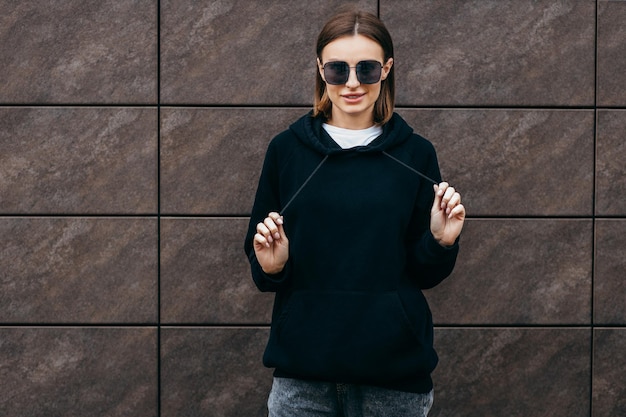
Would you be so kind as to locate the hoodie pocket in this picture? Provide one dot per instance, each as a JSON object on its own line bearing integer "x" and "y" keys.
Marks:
{"x": 349, "y": 336}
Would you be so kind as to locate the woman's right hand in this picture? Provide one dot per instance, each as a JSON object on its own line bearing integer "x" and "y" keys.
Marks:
{"x": 271, "y": 245}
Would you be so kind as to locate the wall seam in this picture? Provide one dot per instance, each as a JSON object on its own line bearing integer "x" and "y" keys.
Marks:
{"x": 158, "y": 174}
{"x": 593, "y": 211}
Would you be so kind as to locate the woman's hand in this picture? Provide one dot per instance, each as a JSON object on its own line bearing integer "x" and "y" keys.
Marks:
{"x": 447, "y": 215}
{"x": 271, "y": 245}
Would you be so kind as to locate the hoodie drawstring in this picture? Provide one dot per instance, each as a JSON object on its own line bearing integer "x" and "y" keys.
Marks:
{"x": 324, "y": 160}
{"x": 303, "y": 185}
{"x": 411, "y": 168}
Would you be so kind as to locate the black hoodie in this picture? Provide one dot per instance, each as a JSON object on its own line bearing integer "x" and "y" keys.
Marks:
{"x": 349, "y": 306}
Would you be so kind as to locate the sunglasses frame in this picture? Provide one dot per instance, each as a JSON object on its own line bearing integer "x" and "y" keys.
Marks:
{"x": 357, "y": 68}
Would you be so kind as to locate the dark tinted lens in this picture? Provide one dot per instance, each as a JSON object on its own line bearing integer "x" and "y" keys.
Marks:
{"x": 368, "y": 72}
{"x": 336, "y": 72}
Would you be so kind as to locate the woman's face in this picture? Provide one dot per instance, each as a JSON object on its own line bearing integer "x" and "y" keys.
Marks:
{"x": 353, "y": 102}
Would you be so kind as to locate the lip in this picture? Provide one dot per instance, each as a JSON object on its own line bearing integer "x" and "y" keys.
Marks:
{"x": 353, "y": 97}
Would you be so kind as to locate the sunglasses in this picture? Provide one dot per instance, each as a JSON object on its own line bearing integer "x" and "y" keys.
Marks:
{"x": 338, "y": 72}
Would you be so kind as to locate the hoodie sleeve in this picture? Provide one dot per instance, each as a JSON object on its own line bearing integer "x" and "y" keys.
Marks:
{"x": 429, "y": 262}
{"x": 266, "y": 200}
{"x": 433, "y": 262}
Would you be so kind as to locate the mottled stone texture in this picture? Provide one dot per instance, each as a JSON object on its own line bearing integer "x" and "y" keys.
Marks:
{"x": 204, "y": 276}
{"x": 493, "y": 52}
{"x": 611, "y": 53}
{"x": 512, "y": 372}
{"x": 78, "y": 160}
{"x": 519, "y": 271}
{"x": 610, "y": 272}
{"x": 132, "y": 135}
{"x": 241, "y": 52}
{"x": 95, "y": 51}
{"x": 611, "y": 163}
{"x": 208, "y": 372}
{"x": 514, "y": 162}
{"x": 78, "y": 270}
{"x": 609, "y": 362}
{"x": 75, "y": 372}
{"x": 211, "y": 158}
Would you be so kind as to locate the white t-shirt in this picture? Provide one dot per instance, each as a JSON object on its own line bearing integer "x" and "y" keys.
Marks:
{"x": 350, "y": 138}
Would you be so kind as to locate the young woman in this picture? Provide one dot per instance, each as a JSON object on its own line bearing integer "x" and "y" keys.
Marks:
{"x": 347, "y": 229}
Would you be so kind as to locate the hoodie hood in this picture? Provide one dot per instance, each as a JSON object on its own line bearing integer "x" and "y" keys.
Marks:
{"x": 309, "y": 130}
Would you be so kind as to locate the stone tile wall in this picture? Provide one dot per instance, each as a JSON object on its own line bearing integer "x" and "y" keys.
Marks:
{"x": 132, "y": 134}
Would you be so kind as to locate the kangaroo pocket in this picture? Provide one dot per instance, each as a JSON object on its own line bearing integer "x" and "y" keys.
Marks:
{"x": 350, "y": 337}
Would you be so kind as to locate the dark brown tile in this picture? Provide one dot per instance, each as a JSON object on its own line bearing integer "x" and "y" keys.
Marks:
{"x": 78, "y": 372}
{"x": 609, "y": 362}
{"x": 211, "y": 158}
{"x": 610, "y": 270}
{"x": 514, "y": 162}
{"x": 205, "y": 276}
{"x": 493, "y": 52}
{"x": 69, "y": 51}
{"x": 611, "y": 53}
{"x": 78, "y": 160}
{"x": 78, "y": 270}
{"x": 610, "y": 166}
{"x": 214, "y": 372}
{"x": 518, "y": 272}
{"x": 512, "y": 372}
{"x": 238, "y": 52}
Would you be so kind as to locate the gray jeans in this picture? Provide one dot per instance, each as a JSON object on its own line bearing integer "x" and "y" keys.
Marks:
{"x": 298, "y": 398}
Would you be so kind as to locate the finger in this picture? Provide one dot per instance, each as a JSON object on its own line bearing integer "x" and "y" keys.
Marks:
{"x": 278, "y": 219}
{"x": 260, "y": 240}
{"x": 262, "y": 229}
{"x": 439, "y": 190}
{"x": 447, "y": 196}
{"x": 448, "y": 193}
{"x": 454, "y": 201}
{"x": 272, "y": 227}
{"x": 458, "y": 212}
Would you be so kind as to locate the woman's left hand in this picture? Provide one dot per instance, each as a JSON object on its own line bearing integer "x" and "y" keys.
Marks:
{"x": 447, "y": 215}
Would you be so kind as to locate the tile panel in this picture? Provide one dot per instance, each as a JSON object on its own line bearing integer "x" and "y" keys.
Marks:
{"x": 60, "y": 371}
{"x": 205, "y": 275}
{"x": 78, "y": 270}
{"x": 214, "y": 372}
{"x": 78, "y": 160}
{"x": 508, "y": 162}
{"x": 518, "y": 272}
{"x": 493, "y": 52}
{"x": 67, "y": 51}
{"x": 512, "y": 372}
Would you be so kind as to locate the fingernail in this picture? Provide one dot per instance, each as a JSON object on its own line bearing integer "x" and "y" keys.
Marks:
{"x": 277, "y": 235}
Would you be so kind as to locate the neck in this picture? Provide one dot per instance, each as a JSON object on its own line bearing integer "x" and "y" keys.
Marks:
{"x": 352, "y": 122}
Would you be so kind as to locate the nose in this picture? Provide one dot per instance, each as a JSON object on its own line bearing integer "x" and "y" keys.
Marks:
{"x": 353, "y": 81}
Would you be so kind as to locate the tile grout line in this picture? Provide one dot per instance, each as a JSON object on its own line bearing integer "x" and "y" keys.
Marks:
{"x": 158, "y": 174}
{"x": 593, "y": 212}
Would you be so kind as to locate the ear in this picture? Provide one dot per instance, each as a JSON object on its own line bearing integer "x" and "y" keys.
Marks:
{"x": 320, "y": 68}
{"x": 387, "y": 68}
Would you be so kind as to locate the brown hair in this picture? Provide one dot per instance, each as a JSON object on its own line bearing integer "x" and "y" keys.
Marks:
{"x": 351, "y": 22}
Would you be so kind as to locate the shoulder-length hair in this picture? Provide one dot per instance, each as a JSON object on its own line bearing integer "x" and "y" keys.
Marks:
{"x": 351, "y": 23}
